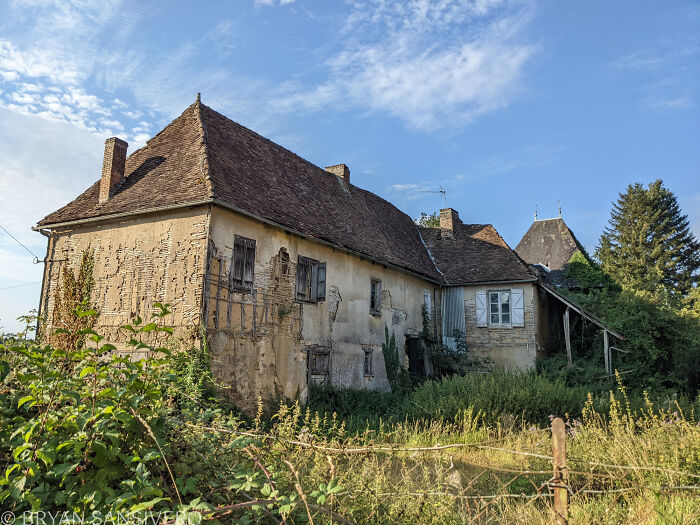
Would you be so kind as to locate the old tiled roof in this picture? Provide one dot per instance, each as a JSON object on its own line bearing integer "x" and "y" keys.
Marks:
{"x": 202, "y": 156}
{"x": 477, "y": 253}
{"x": 551, "y": 243}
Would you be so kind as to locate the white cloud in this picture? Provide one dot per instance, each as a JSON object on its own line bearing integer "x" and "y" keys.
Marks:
{"x": 45, "y": 163}
{"x": 666, "y": 74}
{"x": 430, "y": 64}
{"x": 525, "y": 159}
{"x": 267, "y": 3}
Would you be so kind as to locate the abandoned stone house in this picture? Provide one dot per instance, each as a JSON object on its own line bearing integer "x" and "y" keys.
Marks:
{"x": 287, "y": 272}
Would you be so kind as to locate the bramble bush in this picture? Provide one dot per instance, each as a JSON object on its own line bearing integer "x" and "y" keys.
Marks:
{"x": 93, "y": 431}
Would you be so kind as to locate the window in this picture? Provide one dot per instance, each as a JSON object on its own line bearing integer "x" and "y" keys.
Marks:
{"x": 499, "y": 307}
{"x": 369, "y": 371}
{"x": 311, "y": 280}
{"x": 319, "y": 364}
{"x": 375, "y": 297}
{"x": 243, "y": 263}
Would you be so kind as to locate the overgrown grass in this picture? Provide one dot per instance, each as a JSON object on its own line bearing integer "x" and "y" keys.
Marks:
{"x": 508, "y": 398}
{"x": 84, "y": 432}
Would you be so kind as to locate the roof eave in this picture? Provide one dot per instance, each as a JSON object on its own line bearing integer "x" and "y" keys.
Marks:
{"x": 112, "y": 216}
{"x": 325, "y": 242}
{"x": 505, "y": 281}
{"x": 217, "y": 202}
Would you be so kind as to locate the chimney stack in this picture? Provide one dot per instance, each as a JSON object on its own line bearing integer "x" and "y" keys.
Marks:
{"x": 342, "y": 171}
{"x": 449, "y": 219}
{"x": 112, "y": 167}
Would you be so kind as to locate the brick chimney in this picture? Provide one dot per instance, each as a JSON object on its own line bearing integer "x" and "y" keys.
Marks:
{"x": 449, "y": 219}
{"x": 342, "y": 171}
{"x": 112, "y": 167}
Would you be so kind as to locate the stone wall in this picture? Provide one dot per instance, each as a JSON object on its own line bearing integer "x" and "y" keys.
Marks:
{"x": 138, "y": 262}
{"x": 507, "y": 347}
{"x": 260, "y": 340}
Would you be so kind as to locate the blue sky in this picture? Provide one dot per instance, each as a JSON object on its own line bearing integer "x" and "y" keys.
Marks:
{"x": 505, "y": 104}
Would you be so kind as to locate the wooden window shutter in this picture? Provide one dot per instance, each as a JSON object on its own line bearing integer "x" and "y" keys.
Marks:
{"x": 302, "y": 270}
{"x": 481, "y": 309}
{"x": 321, "y": 283}
{"x": 313, "y": 296}
{"x": 517, "y": 307}
{"x": 238, "y": 261}
{"x": 249, "y": 263}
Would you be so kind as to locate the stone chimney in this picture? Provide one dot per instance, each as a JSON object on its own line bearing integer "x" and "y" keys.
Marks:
{"x": 449, "y": 219}
{"x": 342, "y": 171}
{"x": 112, "y": 167}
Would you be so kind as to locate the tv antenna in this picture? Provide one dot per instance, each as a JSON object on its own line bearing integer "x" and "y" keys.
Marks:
{"x": 441, "y": 191}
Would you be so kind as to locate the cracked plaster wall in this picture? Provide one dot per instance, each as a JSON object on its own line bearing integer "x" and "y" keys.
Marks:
{"x": 137, "y": 262}
{"x": 259, "y": 340}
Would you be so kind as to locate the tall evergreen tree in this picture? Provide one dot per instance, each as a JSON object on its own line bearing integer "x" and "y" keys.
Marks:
{"x": 648, "y": 245}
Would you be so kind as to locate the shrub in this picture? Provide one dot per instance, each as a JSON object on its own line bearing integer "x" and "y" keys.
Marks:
{"x": 529, "y": 396}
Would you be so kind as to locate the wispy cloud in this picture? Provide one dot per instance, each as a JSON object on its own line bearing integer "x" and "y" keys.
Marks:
{"x": 45, "y": 68}
{"x": 667, "y": 75}
{"x": 268, "y": 3}
{"x": 430, "y": 64}
{"x": 525, "y": 159}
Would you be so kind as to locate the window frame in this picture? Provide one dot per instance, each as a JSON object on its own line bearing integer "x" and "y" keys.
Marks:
{"x": 241, "y": 259}
{"x": 368, "y": 362}
{"x": 500, "y": 312}
{"x": 375, "y": 297}
{"x": 319, "y": 355}
{"x": 315, "y": 280}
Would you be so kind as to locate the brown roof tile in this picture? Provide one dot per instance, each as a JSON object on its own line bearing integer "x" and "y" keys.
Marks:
{"x": 549, "y": 242}
{"x": 204, "y": 156}
{"x": 477, "y": 253}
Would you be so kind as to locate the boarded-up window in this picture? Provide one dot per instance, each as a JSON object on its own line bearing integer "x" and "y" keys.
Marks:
{"x": 375, "y": 297}
{"x": 369, "y": 369}
{"x": 311, "y": 280}
{"x": 319, "y": 364}
{"x": 243, "y": 263}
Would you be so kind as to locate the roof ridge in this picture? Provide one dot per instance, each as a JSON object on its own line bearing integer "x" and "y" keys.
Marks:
{"x": 204, "y": 154}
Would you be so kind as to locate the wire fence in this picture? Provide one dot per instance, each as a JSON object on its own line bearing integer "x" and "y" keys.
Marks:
{"x": 462, "y": 482}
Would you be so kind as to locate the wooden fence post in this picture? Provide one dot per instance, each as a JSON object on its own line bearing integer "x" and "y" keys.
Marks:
{"x": 567, "y": 336}
{"x": 561, "y": 476}
{"x": 606, "y": 349}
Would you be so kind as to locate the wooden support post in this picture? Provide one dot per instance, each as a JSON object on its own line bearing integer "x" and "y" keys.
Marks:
{"x": 567, "y": 336}
{"x": 561, "y": 475}
{"x": 606, "y": 349}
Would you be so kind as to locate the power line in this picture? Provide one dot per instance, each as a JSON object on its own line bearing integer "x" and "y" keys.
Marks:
{"x": 19, "y": 285}
{"x": 18, "y": 242}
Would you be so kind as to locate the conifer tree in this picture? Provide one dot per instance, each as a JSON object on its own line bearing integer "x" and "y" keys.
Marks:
{"x": 648, "y": 245}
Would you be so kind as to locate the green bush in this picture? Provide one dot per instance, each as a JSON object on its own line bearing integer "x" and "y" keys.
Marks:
{"x": 528, "y": 396}
{"x": 90, "y": 431}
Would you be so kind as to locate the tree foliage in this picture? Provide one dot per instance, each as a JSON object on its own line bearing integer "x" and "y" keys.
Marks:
{"x": 428, "y": 221}
{"x": 648, "y": 246}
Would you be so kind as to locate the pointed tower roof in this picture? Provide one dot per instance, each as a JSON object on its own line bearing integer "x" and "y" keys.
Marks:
{"x": 550, "y": 243}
